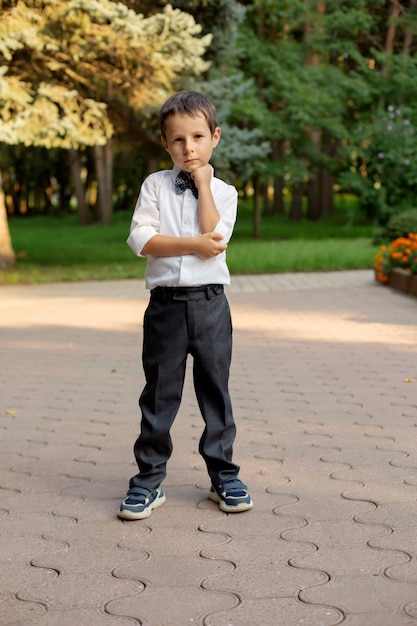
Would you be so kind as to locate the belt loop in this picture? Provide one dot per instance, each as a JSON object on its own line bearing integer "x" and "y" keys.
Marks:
{"x": 208, "y": 292}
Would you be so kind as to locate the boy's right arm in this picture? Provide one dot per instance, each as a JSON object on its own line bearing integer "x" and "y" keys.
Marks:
{"x": 205, "y": 246}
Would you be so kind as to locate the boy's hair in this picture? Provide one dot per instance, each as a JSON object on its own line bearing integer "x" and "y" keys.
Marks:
{"x": 189, "y": 102}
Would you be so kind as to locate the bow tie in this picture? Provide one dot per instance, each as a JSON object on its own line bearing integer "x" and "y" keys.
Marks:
{"x": 183, "y": 182}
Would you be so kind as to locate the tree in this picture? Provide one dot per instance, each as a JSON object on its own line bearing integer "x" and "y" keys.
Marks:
{"x": 106, "y": 52}
{"x": 382, "y": 148}
{"x": 242, "y": 151}
{"x": 292, "y": 49}
{"x": 72, "y": 73}
{"x": 53, "y": 117}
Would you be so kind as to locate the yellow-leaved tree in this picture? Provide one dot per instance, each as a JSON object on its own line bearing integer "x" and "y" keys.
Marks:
{"x": 72, "y": 72}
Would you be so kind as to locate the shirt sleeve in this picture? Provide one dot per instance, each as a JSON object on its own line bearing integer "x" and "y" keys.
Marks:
{"x": 146, "y": 220}
{"x": 225, "y": 198}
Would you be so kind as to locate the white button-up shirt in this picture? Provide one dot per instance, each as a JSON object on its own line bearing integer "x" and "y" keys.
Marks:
{"x": 159, "y": 210}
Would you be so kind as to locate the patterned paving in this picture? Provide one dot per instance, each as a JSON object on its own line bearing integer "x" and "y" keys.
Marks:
{"x": 325, "y": 397}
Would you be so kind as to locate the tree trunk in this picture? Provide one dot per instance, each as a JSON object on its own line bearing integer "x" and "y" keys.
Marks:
{"x": 391, "y": 33}
{"x": 103, "y": 156}
{"x": 296, "y": 211}
{"x": 278, "y": 207}
{"x": 314, "y": 192}
{"x": 84, "y": 213}
{"x": 314, "y": 209}
{"x": 7, "y": 254}
{"x": 327, "y": 195}
{"x": 392, "y": 27}
{"x": 278, "y": 202}
{"x": 256, "y": 210}
{"x": 408, "y": 39}
{"x": 265, "y": 196}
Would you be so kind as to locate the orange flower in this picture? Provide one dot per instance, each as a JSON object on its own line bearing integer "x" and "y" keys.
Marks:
{"x": 401, "y": 252}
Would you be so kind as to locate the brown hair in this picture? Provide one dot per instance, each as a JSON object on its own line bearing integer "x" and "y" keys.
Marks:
{"x": 189, "y": 102}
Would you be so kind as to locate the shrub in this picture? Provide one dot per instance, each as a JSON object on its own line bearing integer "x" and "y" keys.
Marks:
{"x": 402, "y": 224}
{"x": 383, "y": 153}
{"x": 399, "y": 225}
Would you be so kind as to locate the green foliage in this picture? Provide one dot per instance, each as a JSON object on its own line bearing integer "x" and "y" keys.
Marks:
{"x": 302, "y": 88}
{"x": 305, "y": 91}
{"x": 400, "y": 225}
{"x": 240, "y": 150}
{"x": 71, "y": 72}
{"x": 384, "y": 172}
{"x": 220, "y": 19}
{"x": 338, "y": 225}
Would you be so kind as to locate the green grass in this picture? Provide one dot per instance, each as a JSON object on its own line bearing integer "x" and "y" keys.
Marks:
{"x": 298, "y": 255}
{"x": 53, "y": 249}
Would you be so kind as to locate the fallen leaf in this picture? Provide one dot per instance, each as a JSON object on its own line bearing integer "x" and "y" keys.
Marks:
{"x": 409, "y": 380}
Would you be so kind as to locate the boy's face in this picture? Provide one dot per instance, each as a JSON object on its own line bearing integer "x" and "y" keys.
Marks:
{"x": 189, "y": 141}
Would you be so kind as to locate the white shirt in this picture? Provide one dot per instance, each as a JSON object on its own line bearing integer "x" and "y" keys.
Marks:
{"x": 159, "y": 210}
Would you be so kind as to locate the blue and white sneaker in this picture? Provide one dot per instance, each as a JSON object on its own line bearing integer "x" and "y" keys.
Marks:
{"x": 140, "y": 502}
{"x": 232, "y": 496}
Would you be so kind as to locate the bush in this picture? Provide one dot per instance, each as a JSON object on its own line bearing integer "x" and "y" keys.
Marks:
{"x": 383, "y": 153}
{"x": 402, "y": 224}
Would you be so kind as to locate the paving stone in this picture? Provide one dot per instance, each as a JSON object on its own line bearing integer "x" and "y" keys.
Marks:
{"x": 326, "y": 441}
{"x": 70, "y": 616}
{"x": 163, "y": 571}
{"x": 379, "y": 619}
{"x": 61, "y": 595}
{"x": 361, "y": 594}
{"x": 18, "y": 613}
{"x": 275, "y": 612}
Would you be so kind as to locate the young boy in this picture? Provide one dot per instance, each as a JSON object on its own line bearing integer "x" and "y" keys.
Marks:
{"x": 182, "y": 222}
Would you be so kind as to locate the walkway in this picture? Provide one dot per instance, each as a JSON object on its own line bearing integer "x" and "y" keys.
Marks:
{"x": 325, "y": 396}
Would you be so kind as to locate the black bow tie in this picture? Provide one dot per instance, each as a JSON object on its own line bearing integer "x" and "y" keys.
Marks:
{"x": 183, "y": 182}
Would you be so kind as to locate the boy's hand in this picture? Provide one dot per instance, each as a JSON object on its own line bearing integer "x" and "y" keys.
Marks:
{"x": 201, "y": 176}
{"x": 210, "y": 245}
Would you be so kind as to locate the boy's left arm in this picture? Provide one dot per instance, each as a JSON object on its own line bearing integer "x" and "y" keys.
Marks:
{"x": 209, "y": 216}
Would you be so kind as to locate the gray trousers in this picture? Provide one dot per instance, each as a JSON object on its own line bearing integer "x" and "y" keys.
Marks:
{"x": 178, "y": 322}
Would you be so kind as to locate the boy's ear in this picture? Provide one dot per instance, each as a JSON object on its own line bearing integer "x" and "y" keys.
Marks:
{"x": 216, "y": 137}
{"x": 164, "y": 142}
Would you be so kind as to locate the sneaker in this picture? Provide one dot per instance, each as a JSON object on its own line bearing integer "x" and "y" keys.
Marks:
{"x": 140, "y": 502}
{"x": 232, "y": 496}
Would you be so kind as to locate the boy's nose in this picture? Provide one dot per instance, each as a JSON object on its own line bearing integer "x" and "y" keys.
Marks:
{"x": 187, "y": 147}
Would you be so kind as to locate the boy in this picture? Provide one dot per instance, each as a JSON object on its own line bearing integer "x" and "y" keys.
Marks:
{"x": 182, "y": 222}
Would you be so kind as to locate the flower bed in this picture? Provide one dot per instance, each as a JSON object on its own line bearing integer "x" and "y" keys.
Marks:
{"x": 396, "y": 264}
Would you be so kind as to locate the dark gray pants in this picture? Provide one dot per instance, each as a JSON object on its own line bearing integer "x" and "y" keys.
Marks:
{"x": 179, "y": 322}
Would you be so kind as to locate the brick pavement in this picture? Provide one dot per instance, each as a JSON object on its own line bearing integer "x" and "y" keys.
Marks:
{"x": 326, "y": 439}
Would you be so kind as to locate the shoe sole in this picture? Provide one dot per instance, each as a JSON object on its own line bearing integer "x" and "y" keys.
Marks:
{"x": 131, "y": 515}
{"x": 237, "y": 508}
